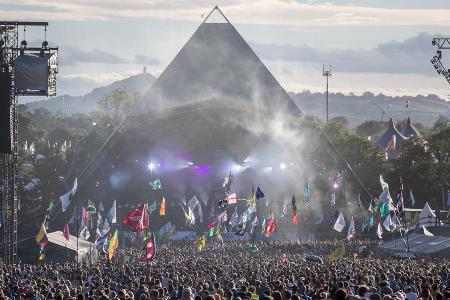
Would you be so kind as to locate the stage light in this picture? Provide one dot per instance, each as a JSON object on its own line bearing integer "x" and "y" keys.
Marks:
{"x": 151, "y": 166}
{"x": 335, "y": 185}
{"x": 282, "y": 166}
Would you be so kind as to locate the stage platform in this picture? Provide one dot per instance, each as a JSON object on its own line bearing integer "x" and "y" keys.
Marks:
{"x": 419, "y": 244}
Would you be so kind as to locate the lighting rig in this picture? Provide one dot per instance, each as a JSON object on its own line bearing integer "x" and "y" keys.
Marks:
{"x": 441, "y": 44}
{"x": 24, "y": 71}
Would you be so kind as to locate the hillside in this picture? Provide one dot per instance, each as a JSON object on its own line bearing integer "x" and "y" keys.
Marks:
{"x": 67, "y": 104}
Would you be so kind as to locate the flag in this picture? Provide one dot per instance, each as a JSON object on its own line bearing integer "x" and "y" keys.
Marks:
{"x": 101, "y": 207}
{"x": 84, "y": 233}
{"x": 263, "y": 226}
{"x": 104, "y": 228}
{"x": 41, "y": 256}
{"x": 379, "y": 231}
{"x": 392, "y": 144}
{"x": 370, "y": 209}
{"x": 271, "y": 226}
{"x": 41, "y": 236}
{"x": 152, "y": 208}
{"x": 66, "y": 232}
{"x": 156, "y": 184}
{"x": 252, "y": 199}
{"x": 368, "y": 222}
{"x": 150, "y": 248}
{"x": 254, "y": 224}
{"x": 196, "y": 209}
{"x": 320, "y": 220}
{"x": 50, "y": 207}
{"x": 137, "y": 218}
{"x": 384, "y": 209}
{"x": 112, "y": 213}
{"x": 426, "y": 232}
{"x": 167, "y": 230}
{"x": 448, "y": 198}
{"x": 385, "y": 196}
{"x": 65, "y": 199}
{"x": 215, "y": 230}
{"x": 113, "y": 244}
{"x": 185, "y": 214}
{"x": 284, "y": 210}
{"x": 359, "y": 201}
{"x": 227, "y": 183}
{"x": 306, "y": 194}
{"x": 351, "y": 230}
{"x": 340, "y": 223}
{"x": 338, "y": 253}
{"x": 240, "y": 229}
{"x": 413, "y": 200}
{"x": 333, "y": 198}
{"x": 223, "y": 217}
{"x": 294, "y": 219}
{"x": 259, "y": 194}
{"x": 191, "y": 217}
{"x": 162, "y": 207}
{"x": 201, "y": 242}
{"x": 232, "y": 198}
{"x": 399, "y": 204}
{"x": 91, "y": 207}
{"x": 389, "y": 224}
{"x": 234, "y": 218}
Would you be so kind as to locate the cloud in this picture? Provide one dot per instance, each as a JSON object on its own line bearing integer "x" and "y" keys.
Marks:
{"x": 146, "y": 60}
{"x": 268, "y": 12}
{"x": 74, "y": 55}
{"x": 409, "y": 56}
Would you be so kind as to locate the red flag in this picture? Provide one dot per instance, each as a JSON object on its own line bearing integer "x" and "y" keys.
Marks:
{"x": 138, "y": 218}
{"x": 150, "y": 248}
{"x": 66, "y": 232}
{"x": 271, "y": 225}
{"x": 295, "y": 218}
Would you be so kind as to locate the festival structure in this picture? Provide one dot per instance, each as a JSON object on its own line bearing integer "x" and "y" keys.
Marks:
{"x": 410, "y": 130}
{"x": 390, "y": 140}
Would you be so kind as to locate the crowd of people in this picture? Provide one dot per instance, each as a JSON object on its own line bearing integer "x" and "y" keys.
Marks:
{"x": 235, "y": 271}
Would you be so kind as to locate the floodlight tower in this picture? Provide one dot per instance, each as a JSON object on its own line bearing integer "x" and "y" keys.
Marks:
{"x": 14, "y": 83}
{"x": 441, "y": 44}
{"x": 327, "y": 74}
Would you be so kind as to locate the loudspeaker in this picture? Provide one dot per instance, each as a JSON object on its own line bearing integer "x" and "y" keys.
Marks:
{"x": 5, "y": 106}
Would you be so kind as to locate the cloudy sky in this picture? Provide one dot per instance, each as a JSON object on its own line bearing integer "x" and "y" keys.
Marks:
{"x": 372, "y": 45}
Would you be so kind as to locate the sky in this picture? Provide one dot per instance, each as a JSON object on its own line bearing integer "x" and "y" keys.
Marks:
{"x": 373, "y": 45}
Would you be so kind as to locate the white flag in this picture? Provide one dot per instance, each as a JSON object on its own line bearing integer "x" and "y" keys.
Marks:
{"x": 426, "y": 232}
{"x": 380, "y": 231}
{"x": 234, "y": 220}
{"x": 191, "y": 216}
{"x": 340, "y": 223}
{"x": 196, "y": 208}
{"x": 232, "y": 198}
{"x": 65, "y": 199}
{"x": 389, "y": 224}
{"x": 152, "y": 208}
{"x": 411, "y": 196}
{"x": 101, "y": 207}
{"x": 113, "y": 213}
{"x": 385, "y": 195}
{"x": 351, "y": 230}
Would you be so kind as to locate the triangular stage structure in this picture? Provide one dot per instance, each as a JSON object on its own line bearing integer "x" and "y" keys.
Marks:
{"x": 216, "y": 63}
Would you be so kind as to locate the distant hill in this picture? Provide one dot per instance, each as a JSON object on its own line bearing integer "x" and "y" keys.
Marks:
{"x": 368, "y": 106}
{"x": 67, "y": 104}
{"x": 357, "y": 109}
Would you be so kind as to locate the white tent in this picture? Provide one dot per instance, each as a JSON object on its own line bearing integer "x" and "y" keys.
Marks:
{"x": 427, "y": 217}
{"x": 86, "y": 250}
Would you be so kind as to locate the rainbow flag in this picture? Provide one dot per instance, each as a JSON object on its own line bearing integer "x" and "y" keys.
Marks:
{"x": 113, "y": 244}
{"x": 41, "y": 236}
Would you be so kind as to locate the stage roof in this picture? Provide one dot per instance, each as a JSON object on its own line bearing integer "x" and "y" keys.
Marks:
{"x": 419, "y": 244}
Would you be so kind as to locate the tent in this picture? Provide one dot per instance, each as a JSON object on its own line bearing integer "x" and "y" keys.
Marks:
{"x": 216, "y": 62}
{"x": 388, "y": 136}
{"x": 410, "y": 130}
{"x": 427, "y": 217}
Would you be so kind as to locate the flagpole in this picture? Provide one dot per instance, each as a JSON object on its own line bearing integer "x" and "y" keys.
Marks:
{"x": 77, "y": 212}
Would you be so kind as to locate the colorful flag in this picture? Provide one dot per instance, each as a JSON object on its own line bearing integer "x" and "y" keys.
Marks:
{"x": 201, "y": 243}
{"x": 232, "y": 198}
{"x": 294, "y": 219}
{"x": 91, "y": 207}
{"x": 340, "y": 223}
{"x": 152, "y": 208}
{"x": 259, "y": 194}
{"x": 385, "y": 196}
{"x": 66, "y": 232}
{"x": 234, "y": 218}
{"x": 50, "y": 207}
{"x": 306, "y": 193}
{"x": 41, "y": 236}
{"x": 389, "y": 224}
{"x": 333, "y": 198}
{"x": 138, "y": 218}
{"x": 156, "y": 184}
{"x": 113, "y": 244}
{"x": 379, "y": 231}
{"x": 223, "y": 217}
{"x": 214, "y": 231}
{"x": 112, "y": 213}
{"x": 351, "y": 230}
{"x": 252, "y": 199}
{"x": 284, "y": 210}
{"x": 150, "y": 248}
{"x": 254, "y": 224}
{"x": 65, "y": 199}
{"x": 384, "y": 209}
{"x": 162, "y": 207}
{"x": 271, "y": 226}
{"x": 411, "y": 197}
{"x": 185, "y": 214}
